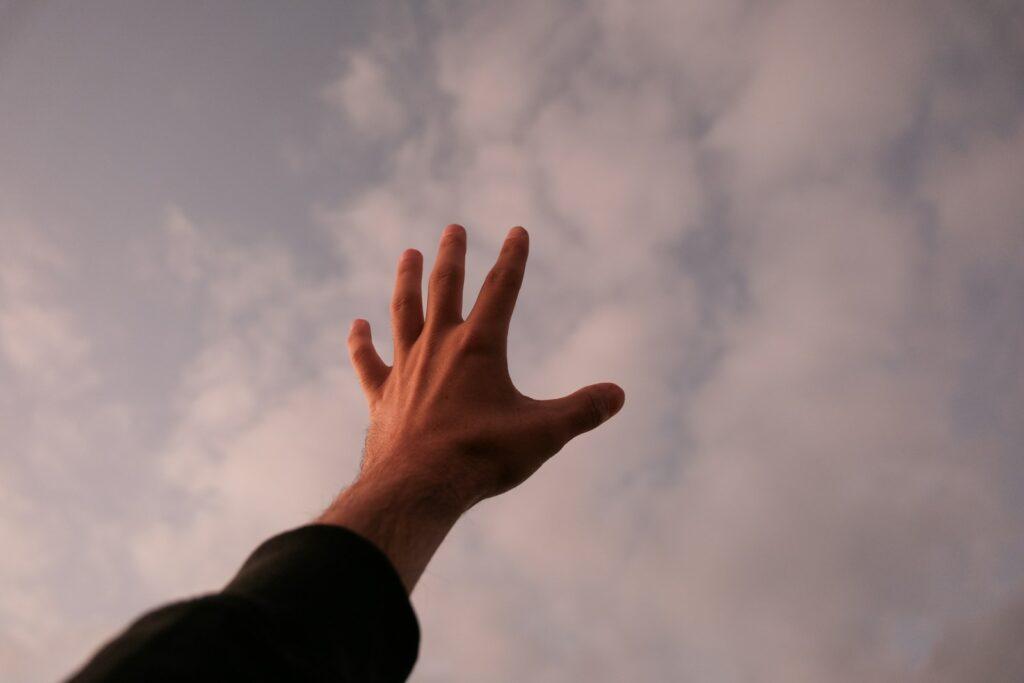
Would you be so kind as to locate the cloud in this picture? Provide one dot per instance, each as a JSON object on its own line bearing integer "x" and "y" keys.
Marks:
{"x": 516, "y": 45}
{"x": 985, "y": 648}
{"x": 365, "y": 97}
{"x": 977, "y": 201}
{"x": 39, "y": 336}
{"x": 48, "y": 373}
{"x": 789, "y": 230}
{"x": 829, "y": 500}
{"x": 267, "y": 427}
{"x": 828, "y": 87}
{"x": 799, "y": 509}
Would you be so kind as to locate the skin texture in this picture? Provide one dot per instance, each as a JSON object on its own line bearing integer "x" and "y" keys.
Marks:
{"x": 447, "y": 426}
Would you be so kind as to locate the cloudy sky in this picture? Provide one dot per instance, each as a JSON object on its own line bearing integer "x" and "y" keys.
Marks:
{"x": 792, "y": 230}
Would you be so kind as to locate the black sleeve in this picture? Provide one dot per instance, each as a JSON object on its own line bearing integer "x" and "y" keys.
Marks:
{"x": 318, "y": 603}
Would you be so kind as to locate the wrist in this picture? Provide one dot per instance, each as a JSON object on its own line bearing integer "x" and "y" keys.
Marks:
{"x": 404, "y": 517}
{"x": 424, "y": 495}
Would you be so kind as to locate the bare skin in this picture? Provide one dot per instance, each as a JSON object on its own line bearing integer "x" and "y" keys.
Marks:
{"x": 447, "y": 426}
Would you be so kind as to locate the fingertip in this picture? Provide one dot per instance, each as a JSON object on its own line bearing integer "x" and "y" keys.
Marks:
{"x": 518, "y": 232}
{"x": 359, "y": 326}
{"x": 608, "y": 398}
{"x": 454, "y": 230}
{"x": 616, "y": 398}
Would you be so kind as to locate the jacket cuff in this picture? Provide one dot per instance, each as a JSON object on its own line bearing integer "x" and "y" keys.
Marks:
{"x": 343, "y": 606}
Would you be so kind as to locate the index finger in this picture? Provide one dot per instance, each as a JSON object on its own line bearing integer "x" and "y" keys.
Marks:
{"x": 497, "y": 299}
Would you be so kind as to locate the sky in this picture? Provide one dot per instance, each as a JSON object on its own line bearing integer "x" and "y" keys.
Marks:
{"x": 791, "y": 230}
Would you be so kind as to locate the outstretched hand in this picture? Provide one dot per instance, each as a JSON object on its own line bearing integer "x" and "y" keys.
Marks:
{"x": 448, "y": 428}
{"x": 447, "y": 413}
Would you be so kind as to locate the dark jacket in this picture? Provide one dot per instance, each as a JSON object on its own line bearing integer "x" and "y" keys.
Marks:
{"x": 318, "y": 603}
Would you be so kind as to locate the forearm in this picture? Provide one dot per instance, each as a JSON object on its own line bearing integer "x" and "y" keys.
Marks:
{"x": 404, "y": 519}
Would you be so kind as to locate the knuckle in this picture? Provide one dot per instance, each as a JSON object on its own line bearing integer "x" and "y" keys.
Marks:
{"x": 404, "y": 302}
{"x": 361, "y": 353}
{"x": 504, "y": 277}
{"x": 474, "y": 342}
{"x": 592, "y": 415}
{"x": 447, "y": 274}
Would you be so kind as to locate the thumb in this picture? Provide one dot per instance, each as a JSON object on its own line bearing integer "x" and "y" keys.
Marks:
{"x": 586, "y": 408}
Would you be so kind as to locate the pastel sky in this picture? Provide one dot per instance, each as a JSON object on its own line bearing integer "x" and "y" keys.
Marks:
{"x": 791, "y": 230}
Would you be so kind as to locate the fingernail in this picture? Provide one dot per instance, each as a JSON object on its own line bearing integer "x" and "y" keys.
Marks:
{"x": 453, "y": 229}
{"x": 518, "y": 231}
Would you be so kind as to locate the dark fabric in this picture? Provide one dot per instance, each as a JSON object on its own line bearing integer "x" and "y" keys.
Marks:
{"x": 318, "y": 603}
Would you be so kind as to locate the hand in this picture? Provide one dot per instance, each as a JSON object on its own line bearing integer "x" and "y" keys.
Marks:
{"x": 446, "y": 414}
{"x": 447, "y": 426}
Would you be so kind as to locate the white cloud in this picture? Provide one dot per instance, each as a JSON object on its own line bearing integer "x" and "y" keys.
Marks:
{"x": 976, "y": 192}
{"x": 494, "y": 63}
{"x": 364, "y": 95}
{"x": 39, "y": 336}
{"x": 814, "y": 506}
{"x": 829, "y": 85}
{"x": 828, "y": 501}
{"x": 613, "y": 166}
{"x": 268, "y": 427}
{"x": 758, "y": 219}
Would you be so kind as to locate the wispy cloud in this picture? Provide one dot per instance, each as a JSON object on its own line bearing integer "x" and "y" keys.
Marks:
{"x": 791, "y": 231}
